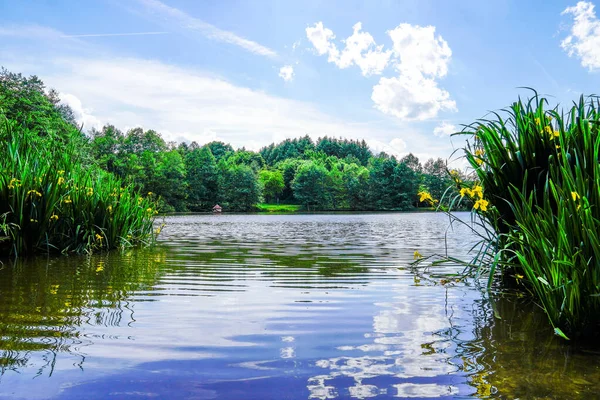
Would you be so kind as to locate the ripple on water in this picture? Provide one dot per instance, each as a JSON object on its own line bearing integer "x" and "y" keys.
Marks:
{"x": 295, "y": 306}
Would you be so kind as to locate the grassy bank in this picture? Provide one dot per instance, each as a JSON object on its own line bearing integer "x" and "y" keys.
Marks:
{"x": 278, "y": 208}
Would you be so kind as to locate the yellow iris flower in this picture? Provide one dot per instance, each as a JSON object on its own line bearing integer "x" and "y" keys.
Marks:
{"x": 481, "y": 205}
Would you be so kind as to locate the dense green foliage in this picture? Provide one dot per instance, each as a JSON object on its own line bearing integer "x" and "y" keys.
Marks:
{"x": 52, "y": 196}
{"x": 331, "y": 174}
{"x": 239, "y": 190}
{"x": 539, "y": 175}
{"x": 142, "y": 159}
{"x": 26, "y": 102}
{"x": 202, "y": 177}
{"x": 272, "y": 183}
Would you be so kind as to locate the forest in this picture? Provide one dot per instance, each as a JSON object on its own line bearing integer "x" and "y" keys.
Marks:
{"x": 329, "y": 174}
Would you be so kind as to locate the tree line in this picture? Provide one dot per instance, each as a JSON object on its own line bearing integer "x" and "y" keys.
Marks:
{"x": 326, "y": 174}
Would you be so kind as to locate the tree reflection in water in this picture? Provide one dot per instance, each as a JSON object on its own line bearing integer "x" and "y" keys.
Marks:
{"x": 46, "y": 304}
{"x": 516, "y": 355}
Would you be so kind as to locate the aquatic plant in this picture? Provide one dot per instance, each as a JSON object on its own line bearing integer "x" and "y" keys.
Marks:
{"x": 538, "y": 198}
{"x": 51, "y": 201}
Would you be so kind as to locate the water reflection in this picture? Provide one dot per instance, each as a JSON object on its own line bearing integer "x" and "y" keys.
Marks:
{"x": 406, "y": 342}
{"x": 46, "y": 303}
{"x": 246, "y": 307}
{"x": 515, "y": 354}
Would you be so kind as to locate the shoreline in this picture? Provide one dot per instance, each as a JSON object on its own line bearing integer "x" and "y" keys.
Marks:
{"x": 304, "y": 212}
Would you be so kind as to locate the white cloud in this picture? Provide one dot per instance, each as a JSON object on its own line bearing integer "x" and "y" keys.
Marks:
{"x": 444, "y": 129}
{"x": 399, "y": 148}
{"x": 418, "y": 56}
{"x": 584, "y": 40}
{"x": 174, "y": 18}
{"x": 411, "y": 97}
{"x": 321, "y": 37}
{"x": 82, "y": 115}
{"x": 286, "y": 73}
{"x": 396, "y": 147}
{"x": 418, "y": 49}
{"x": 206, "y": 136}
{"x": 421, "y": 58}
{"x": 360, "y": 49}
{"x": 398, "y": 144}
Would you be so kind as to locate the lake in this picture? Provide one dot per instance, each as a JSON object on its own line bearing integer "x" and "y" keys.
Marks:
{"x": 304, "y": 306}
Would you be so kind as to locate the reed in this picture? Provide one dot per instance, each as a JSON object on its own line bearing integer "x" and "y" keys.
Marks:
{"x": 538, "y": 171}
{"x": 53, "y": 201}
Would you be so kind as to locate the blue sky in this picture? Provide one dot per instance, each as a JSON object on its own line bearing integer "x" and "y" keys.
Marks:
{"x": 399, "y": 74}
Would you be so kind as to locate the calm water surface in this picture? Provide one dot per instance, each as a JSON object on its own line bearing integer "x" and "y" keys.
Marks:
{"x": 278, "y": 307}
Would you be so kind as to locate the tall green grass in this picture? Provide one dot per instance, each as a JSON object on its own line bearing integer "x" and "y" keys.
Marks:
{"x": 52, "y": 201}
{"x": 539, "y": 170}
